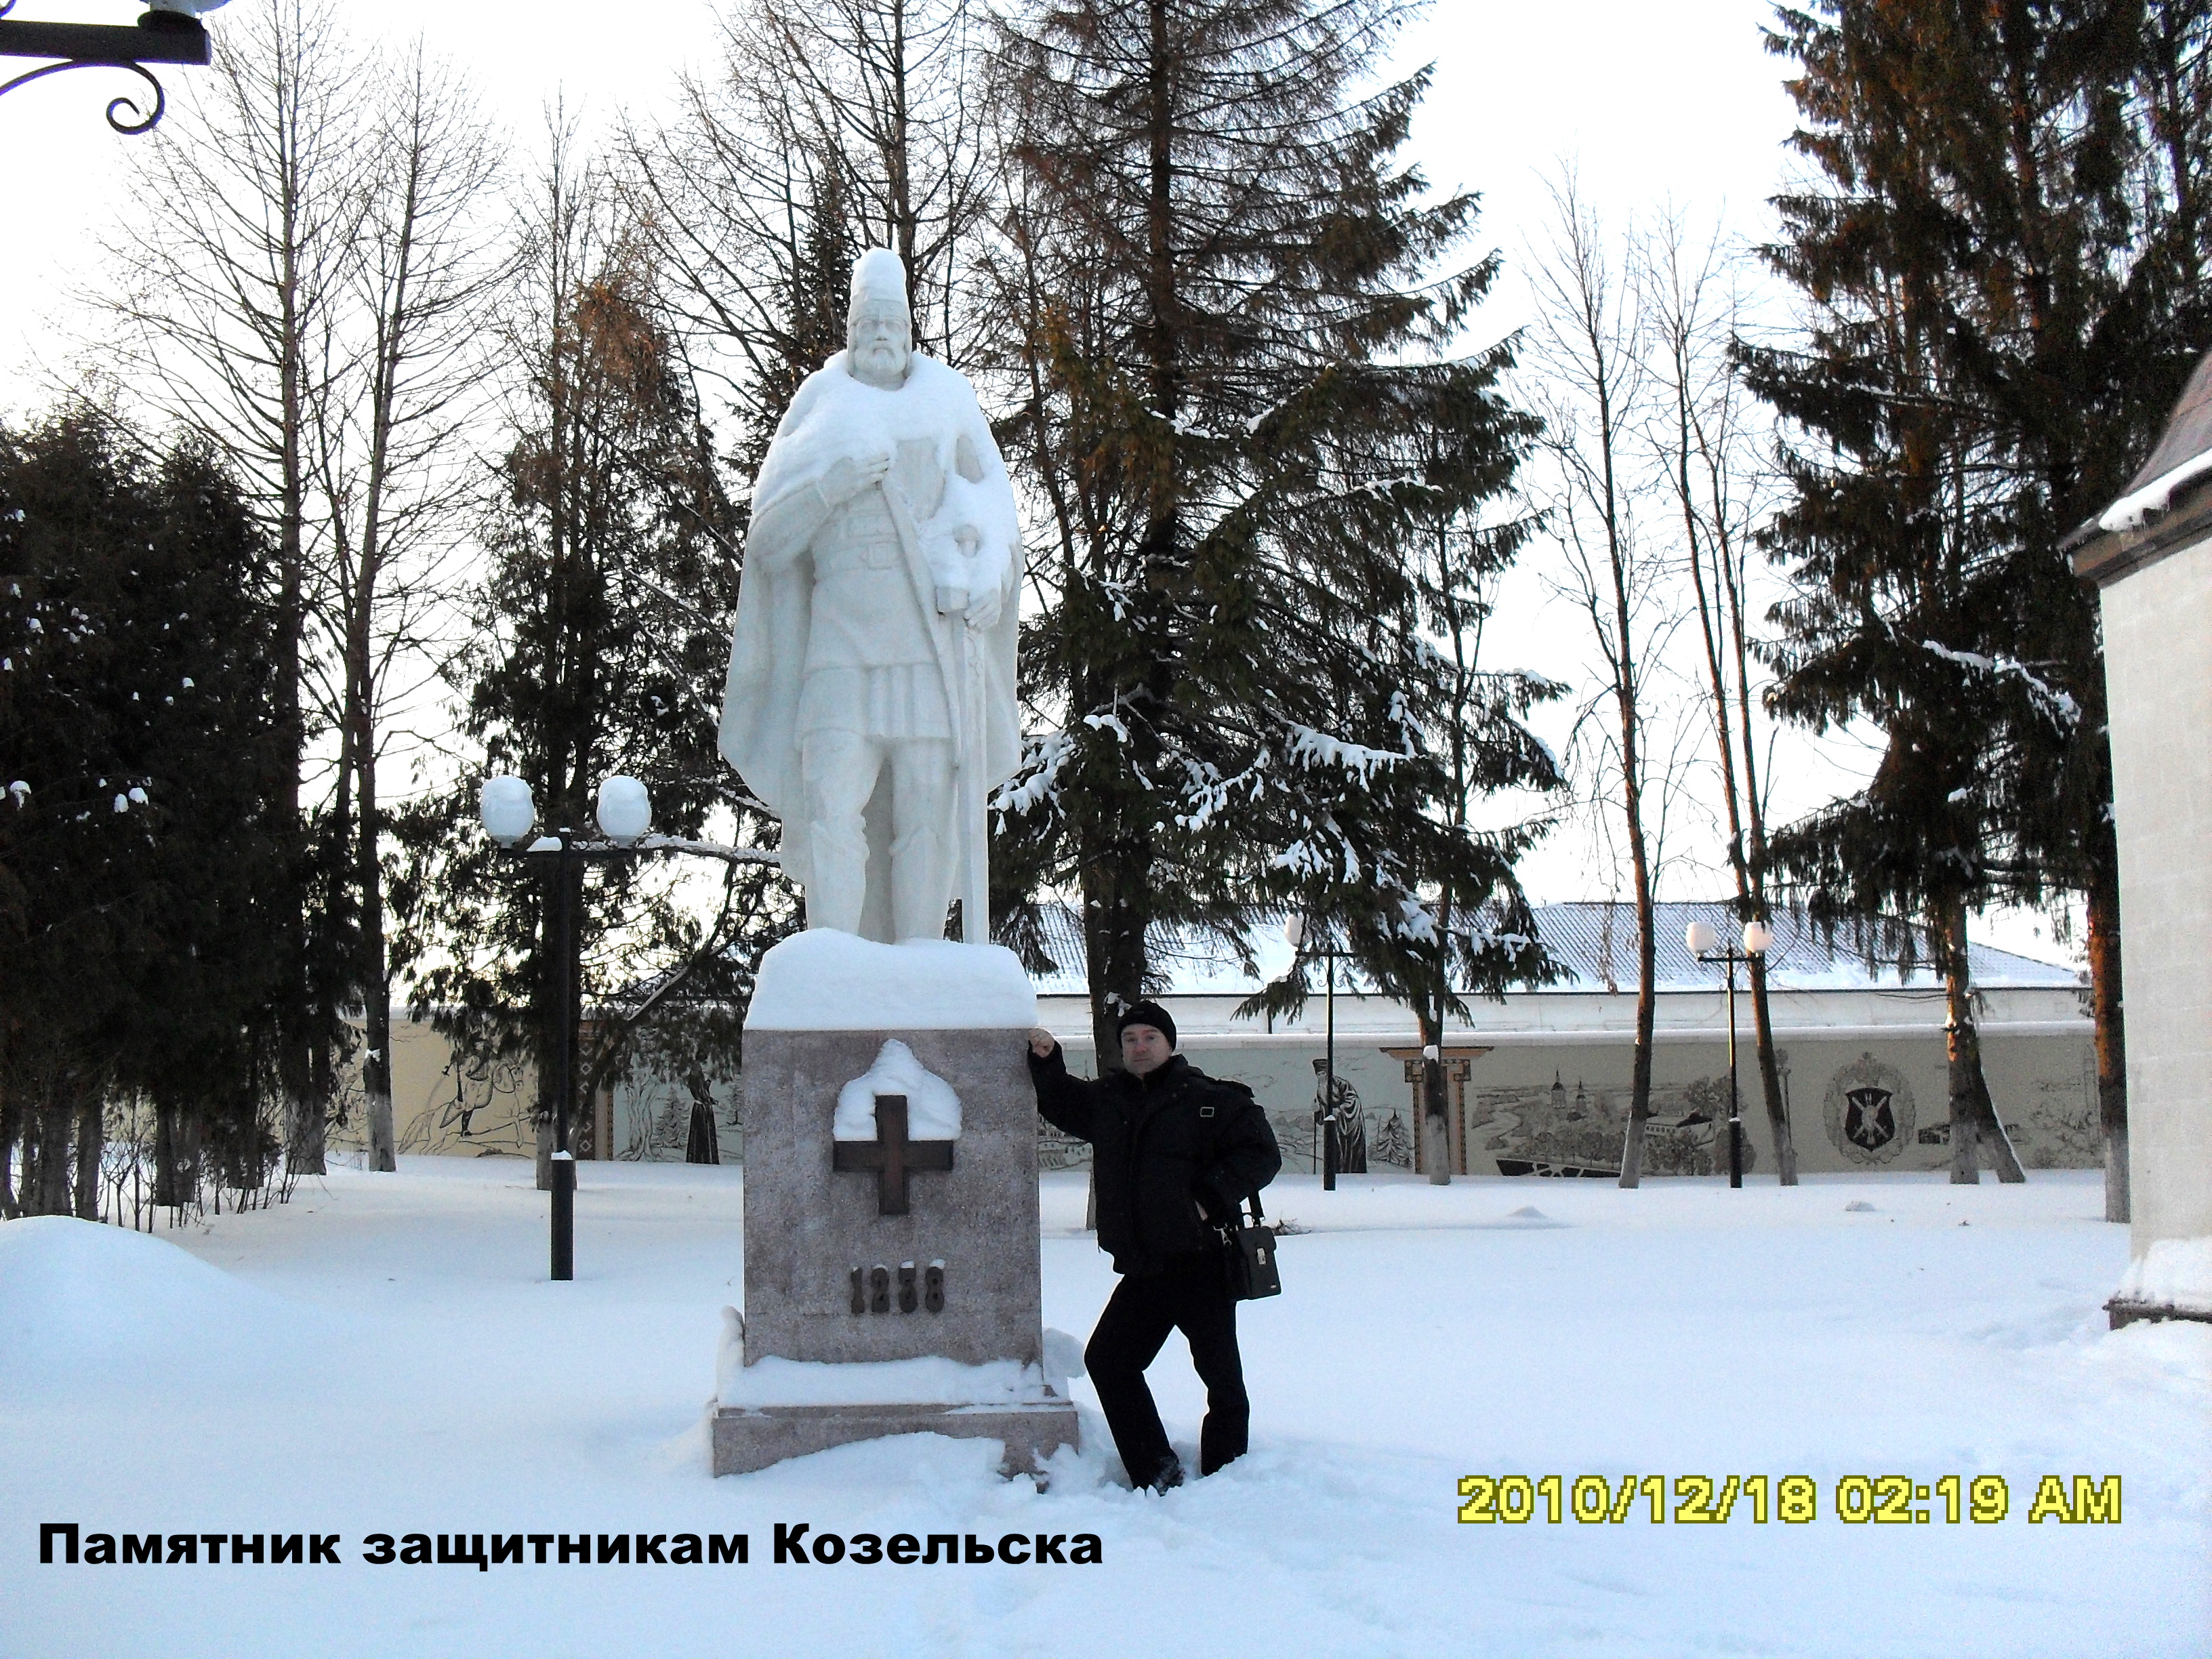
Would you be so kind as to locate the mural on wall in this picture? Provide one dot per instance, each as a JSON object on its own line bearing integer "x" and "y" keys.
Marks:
{"x": 1393, "y": 1143}
{"x": 1538, "y": 1130}
{"x": 1348, "y": 1127}
{"x": 1058, "y": 1151}
{"x": 1870, "y": 1111}
{"x": 1297, "y": 1133}
{"x": 2062, "y": 1131}
{"x": 657, "y": 1121}
{"x": 480, "y": 1107}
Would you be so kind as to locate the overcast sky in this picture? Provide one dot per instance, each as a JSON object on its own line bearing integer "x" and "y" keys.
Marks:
{"x": 1654, "y": 101}
{"x": 1654, "y": 104}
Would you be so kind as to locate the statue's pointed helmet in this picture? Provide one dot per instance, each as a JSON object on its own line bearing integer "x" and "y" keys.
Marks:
{"x": 879, "y": 274}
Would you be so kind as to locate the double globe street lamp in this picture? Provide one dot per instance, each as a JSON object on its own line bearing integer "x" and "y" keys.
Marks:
{"x": 1705, "y": 945}
{"x": 625, "y": 815}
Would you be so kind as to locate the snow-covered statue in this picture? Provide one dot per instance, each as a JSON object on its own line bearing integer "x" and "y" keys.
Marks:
{"x": 871, "y": 697}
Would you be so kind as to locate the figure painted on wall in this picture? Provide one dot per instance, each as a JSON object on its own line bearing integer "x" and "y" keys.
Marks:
{"x": 1348, "y": 1123}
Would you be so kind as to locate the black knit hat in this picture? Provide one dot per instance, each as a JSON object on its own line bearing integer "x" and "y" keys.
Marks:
{"x": 1147, "y": 1013}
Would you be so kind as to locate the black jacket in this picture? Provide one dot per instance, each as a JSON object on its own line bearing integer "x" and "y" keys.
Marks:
{"x": 1162, "y": 1146}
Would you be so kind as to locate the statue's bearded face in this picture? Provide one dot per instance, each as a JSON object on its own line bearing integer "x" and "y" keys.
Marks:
{"x": 879, "y": 341}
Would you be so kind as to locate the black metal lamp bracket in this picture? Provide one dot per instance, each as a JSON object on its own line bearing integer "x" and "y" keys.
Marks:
{"x": 159, "y": 37}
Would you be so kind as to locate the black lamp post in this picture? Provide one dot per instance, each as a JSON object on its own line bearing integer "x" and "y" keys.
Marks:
{"x": 169, "y": 31}
{"x": 624, "y": 814}
{"x": 1704, "y": 944}
{"x": 1294, "y": 932}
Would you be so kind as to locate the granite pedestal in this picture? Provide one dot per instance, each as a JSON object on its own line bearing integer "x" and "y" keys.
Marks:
{"x": 830, "y": 1276}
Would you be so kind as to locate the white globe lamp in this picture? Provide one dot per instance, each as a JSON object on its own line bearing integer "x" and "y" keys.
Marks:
{"x": 508, "y": 813}
{"x": 625, "y": 811}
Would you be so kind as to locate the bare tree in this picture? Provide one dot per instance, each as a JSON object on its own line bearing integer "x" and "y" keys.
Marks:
{"x": 1707, "y": 445}
{"x": 1587, "y": 350}
{"x": 894, "y": 85}
{"x": 827, "y": 128}
{"x": 395, "y": 463}
{"x": 220, "y": 300}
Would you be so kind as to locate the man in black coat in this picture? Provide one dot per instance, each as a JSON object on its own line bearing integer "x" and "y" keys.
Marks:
{"x": 1175, "y": 1152}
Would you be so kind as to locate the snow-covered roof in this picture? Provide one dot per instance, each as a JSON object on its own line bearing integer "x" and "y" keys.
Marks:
{"x": 2146, "y": 522}
{"x": 1595, "y": 941}
{"x": 2188, "y": 434}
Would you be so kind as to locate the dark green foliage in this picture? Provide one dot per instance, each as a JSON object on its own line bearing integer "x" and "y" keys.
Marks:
{"x": 140, "y": 888}
{"x": 1227, "y": 330}
{"x": 2004, "y": 261}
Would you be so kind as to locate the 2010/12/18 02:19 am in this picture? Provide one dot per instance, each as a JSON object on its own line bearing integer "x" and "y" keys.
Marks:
{"x": 1793, "y": 1499}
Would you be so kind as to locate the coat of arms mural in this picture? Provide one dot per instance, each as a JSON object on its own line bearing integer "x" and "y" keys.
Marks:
{"x": 1869, "y": 1111}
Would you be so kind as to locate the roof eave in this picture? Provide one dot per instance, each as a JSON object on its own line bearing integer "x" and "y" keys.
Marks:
{"x": 2104, "y": 557}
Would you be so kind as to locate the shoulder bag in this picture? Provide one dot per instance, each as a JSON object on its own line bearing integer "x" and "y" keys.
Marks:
{"x": 1249, "y": 1255}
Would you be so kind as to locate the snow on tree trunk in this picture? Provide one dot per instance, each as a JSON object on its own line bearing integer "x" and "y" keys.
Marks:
{"x": 1436, "y": 1105}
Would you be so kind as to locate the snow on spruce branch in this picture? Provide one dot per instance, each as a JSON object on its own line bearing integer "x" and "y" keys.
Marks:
{"x": 1109, "y": 721}
{"x": 1039, "y": 779}
{"x": 2059, "y": 705}
{"x": 709, "y": 849}
{"x": 1314, "y": 748}
{"x": 1207, "y": 792}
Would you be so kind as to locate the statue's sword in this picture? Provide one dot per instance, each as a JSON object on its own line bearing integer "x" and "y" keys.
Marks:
{"x": 975, "y": 810}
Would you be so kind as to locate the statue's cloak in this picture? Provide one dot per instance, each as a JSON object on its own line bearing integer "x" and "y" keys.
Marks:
{"x": 835, "y": 415}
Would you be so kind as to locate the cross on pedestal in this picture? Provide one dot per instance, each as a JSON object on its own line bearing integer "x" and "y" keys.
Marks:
{"x": 891, "y": 1155}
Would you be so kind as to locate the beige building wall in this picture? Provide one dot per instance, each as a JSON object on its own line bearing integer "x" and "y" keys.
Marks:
{"x": 1544, "y": 1078}
{"x": 2158, "y": 667}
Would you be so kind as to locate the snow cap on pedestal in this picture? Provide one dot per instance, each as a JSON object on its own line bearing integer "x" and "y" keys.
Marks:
{"x": 823, "y": 979}
{"x": 879, "y": 274}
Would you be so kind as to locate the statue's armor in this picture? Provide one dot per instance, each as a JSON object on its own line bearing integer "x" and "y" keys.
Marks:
{"x": 870, "y": 667}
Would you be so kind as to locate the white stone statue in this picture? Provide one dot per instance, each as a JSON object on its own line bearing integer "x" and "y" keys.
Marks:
{"x": 871, "y": 696}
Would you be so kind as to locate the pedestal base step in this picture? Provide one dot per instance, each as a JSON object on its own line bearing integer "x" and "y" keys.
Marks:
{"x": 749, "y": 1438}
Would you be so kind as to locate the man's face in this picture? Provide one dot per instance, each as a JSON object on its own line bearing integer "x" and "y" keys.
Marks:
{"x": 1144, "y": 1048}
{"x": 878, "y": 340}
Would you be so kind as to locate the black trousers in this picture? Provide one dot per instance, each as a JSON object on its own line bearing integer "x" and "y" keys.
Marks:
{"x": 1192, "y": 1297}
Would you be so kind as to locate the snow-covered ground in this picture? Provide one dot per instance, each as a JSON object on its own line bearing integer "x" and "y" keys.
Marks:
{"x": 384, "y": 1355}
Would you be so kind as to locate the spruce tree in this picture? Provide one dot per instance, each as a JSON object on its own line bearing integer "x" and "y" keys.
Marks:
{"x": 2004, "y": 262}
{"x": 143, "y": 902}
{"x": 1230, "y": 312}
